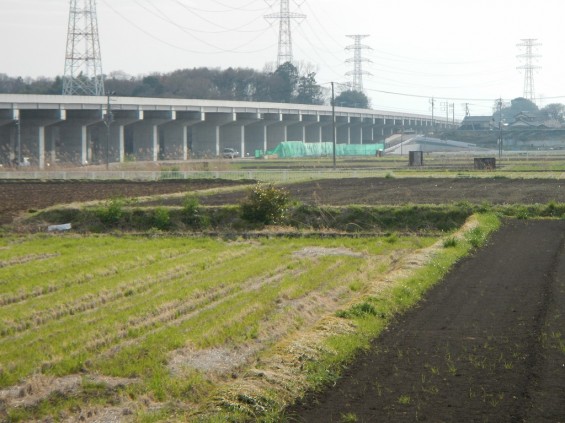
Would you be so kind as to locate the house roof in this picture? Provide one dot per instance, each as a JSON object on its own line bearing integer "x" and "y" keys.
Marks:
{"x": 529, "y": 115}
{"x": 477, "y": 119}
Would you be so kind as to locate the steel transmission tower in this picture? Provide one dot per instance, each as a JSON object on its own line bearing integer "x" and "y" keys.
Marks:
{"x": 285, "y": 35}
{"x": 357, "y": 59}
{"x": 529, "y": 45}
{"x": 83, "y": 64}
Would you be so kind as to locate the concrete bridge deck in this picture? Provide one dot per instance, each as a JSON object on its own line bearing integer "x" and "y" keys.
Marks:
{"x": 74, "y": 129}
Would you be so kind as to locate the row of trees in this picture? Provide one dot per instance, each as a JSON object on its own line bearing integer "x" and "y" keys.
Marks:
{"x": 285, "y": 84}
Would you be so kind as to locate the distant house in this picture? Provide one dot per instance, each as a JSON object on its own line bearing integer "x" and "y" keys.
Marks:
{"x": 525, "y": 120}
{"x": 477, "y": 123}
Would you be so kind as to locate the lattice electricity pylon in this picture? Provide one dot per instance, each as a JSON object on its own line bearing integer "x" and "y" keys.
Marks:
{"x": 83, "y": 63}
{"x": 529, "y": 44}
{"x": 357, "y": 59}
{"x": 285, "y": 30}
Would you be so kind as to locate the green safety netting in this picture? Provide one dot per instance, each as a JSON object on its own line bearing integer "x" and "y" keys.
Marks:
{"x": 288, "y": 149}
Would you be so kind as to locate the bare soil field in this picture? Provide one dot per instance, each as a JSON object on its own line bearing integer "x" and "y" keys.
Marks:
{"x": 390, "y": 191}
{"x": 21, "y": 196}
{"x": 486, "y": 345}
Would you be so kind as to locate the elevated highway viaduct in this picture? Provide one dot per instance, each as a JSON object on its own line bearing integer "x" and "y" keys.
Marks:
{"x": 74, "y": 129}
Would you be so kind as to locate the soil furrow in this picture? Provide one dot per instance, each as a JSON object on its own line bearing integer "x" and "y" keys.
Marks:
{"x": 472, "y": 350}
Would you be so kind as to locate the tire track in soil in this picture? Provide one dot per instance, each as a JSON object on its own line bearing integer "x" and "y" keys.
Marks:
{"x": 472, "y": 350}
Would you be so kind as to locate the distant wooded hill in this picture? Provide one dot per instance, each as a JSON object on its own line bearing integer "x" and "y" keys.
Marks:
{"x": 286, "y": 84}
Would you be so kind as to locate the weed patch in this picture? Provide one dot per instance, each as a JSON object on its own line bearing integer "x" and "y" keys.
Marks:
{"x": 265, "y": 204}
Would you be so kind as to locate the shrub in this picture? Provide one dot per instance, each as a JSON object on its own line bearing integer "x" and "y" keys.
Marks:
{"x": 192, "y": 213}
{"x": 265, "y": 204}
{"x": 111, "y": 212}
{"x": 161, "y": 218}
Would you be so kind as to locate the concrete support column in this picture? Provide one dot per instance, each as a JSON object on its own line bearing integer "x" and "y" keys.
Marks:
{"x": 185, "y": 151}
{"x": 155, "y": 139}
{"x": 121, "y": 130}
{"x": 310, "y": 128}
{"x": 343, "y": 129}
{"x": 242, "y": 141}
{"x": 75, "y": 135}
{"x": 207, "y": 134}
{"x": 217, "y": 140}
{"x": 84, "y": 144}
{"x": 9, "y": 119}
{"x": 257, "y": 135}
{"x": 41, "y": 146}
{"x": 34, "y": 125}
{"x": 146, "y": 133}
{"x": 118, "y": 134}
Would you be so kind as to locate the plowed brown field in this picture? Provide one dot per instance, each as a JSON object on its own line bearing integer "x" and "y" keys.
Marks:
{"x": 486, "y": 345}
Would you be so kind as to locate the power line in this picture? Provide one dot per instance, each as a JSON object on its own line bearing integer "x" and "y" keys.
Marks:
{"x": 211, "y": 22}
{"x": 428, "y": 96}
{"x": 315, "y": 49}
{"x": 165, "y": 42}
{"x": 230, "y": 7}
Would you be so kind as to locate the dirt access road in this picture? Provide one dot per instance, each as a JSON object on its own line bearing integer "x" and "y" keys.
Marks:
{"x": 486, "y": 345}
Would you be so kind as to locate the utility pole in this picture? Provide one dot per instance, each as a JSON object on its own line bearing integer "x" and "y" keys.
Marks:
{"x": 108, "y": 119}
{"x": 333, "y": 123}
{"x": 19, "y": 139}
{"x": 285, "y": 31}
{"x": 500, "y": 128}
{"x": 445, "y": 106}
{"x": 83, "y": 63}
{"x": 432, "y": 103}
{"x": 357, "y": 60}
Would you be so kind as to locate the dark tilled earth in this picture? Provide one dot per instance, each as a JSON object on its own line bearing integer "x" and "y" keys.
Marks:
{"x": 418, "y": 191}
{"x": 16, "y": 197}
{"x": 486, "y": 345}
{"x": 22, "y": 196}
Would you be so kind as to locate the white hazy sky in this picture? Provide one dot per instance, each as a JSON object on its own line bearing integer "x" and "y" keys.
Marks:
{"x": 455, "y": 51}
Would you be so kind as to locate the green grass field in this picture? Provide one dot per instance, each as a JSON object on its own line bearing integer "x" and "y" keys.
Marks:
{"x": 130, "y": 307}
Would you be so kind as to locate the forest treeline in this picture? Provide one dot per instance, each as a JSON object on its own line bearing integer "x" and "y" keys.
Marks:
{"x": 285, "y": 84}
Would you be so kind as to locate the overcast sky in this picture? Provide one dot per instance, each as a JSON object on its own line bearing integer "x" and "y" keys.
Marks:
{"x": 452, "y": 50}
